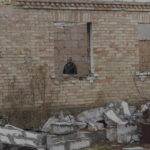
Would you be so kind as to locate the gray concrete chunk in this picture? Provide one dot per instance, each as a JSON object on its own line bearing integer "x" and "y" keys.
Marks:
{"x": 91, "y": 115}
{"x": 62, "y": 128}
{"x": 76, "y": 145}
{"x": 47, "y": 125}
{"x": 125, "y": 133}
{"x": 111, "y": 134}
{"x": 56, "y": 146}
{"x": 80, "y": 125}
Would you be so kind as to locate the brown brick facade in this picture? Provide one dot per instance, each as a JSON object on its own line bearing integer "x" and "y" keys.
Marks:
{"x": 27, "y": 58}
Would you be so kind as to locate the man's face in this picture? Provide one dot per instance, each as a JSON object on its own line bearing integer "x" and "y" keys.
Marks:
{"x": 69, "y": 60}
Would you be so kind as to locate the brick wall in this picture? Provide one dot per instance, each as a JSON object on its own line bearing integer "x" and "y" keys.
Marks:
{"x": 27, "y": 70}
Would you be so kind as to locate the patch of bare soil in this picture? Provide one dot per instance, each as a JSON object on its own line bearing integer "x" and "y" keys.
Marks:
{"x": 115, "y": 146}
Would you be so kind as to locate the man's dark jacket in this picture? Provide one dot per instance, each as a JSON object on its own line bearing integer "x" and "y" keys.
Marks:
{"x": 70, "y": 69}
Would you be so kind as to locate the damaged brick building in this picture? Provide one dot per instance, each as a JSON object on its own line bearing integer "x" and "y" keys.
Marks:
{"x": 108, "y": 41}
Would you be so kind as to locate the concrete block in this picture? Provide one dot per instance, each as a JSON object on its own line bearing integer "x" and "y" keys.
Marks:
{"x": 132, "y": 109}
{"x": 57, "y": 146}
{"x": 41, "y": 148}
{"x": 92, "y": 115}
{"x": 80, "y": 125}
{"x": 110, "y": 114}
{"x": 47, "y": 125}
{"x": 125, "y": 133}
{"x": 70, "y": 118}
{"x": 92, "y": 127}
{"x": 111, "y": 134}
{"x": 95, "y": 126}
{"x": 62, "y": 128}
{"x": 76, "y": 145}
{"x": 99, "y": 126}
{"x": 94, "y": 136}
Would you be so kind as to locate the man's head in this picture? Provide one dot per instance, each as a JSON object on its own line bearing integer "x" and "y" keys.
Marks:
{"x": 69, "y": 60}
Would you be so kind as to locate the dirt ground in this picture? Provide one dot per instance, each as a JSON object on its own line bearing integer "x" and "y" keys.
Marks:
{"x": 105, "y": 145}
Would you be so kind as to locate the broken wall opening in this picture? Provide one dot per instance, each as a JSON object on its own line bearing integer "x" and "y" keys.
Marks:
{"x": 72, "y": 40}
{"x": 144, "y": 44}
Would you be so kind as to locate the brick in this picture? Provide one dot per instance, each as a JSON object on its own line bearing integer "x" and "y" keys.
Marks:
{"x": 29, "y": 40}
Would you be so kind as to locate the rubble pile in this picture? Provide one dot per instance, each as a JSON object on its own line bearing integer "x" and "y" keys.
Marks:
{"x": 115, "y": 122}
{"x": 18, "y": 138}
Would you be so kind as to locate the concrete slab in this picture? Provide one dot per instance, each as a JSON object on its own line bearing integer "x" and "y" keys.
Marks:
{"x": 62, "y": 128}
{"x": 78, "y": 144}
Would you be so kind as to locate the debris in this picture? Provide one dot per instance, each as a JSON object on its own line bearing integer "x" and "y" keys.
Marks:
{"x": 8, "y": 126}
{"x": 47, "y": 125}
{"x": 80, "y": 125}
{"x": 99, "y": 126}
{"x": 78, "y": 144}
{"x": 144, "y": 107}
{"x": 132, "y": 109}
{"x": 92, "y": 115}
{"x": 70, "y": 119}
{"x": 92, "y": 127}
{"x": 18, "y": 137}
{"x": 120, "y": 120}
{"x": 70, "y": 142}
{"x": 125, "y": 134}
{"x": 111, "y": 134}
{"x": 112, "y": 116}
{"x": 61, "y": 117}
{"x": 125, "y": 108}
{"x": 95, "y": 126}
{"x": 62, "y": 128}
{"x": 136, "y": 138}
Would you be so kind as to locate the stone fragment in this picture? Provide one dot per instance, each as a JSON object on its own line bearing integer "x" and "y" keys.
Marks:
{"x": 99, "y": 126}
{"x": 68, "y": 142}
{"x": 16, "y": 137}
{"x": 70, "y": 119}
{"x": 41, "y": 148}
{"x": 111, "y": 134}
{"x": 80, "y": 125}
{"x": 61, "y": 128}
{"x": 47, "y": 125}
{"x": 61, "y": 117}
{"x": 120, "y": 108}
{"x": 92, "y": 127}
{"x": 95, "y": 126}
{"x": 125, "y": 133}
{"x": 92, "y": 115}
{"x": 112, "y": 116}
{"x": 57, "y": 146}
{"x": 125, "y": 108}
{"x": 136, "y": 138}
{"x": 8, "y": 126}
{"x": 144, "y": 107}
{"x": 132, "y": 109}
{"x": 78, "y": 144}
{"x": 81, "y": 138}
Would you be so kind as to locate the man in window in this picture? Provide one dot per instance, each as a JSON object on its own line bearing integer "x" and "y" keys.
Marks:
{"x": 70, "y": 67}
